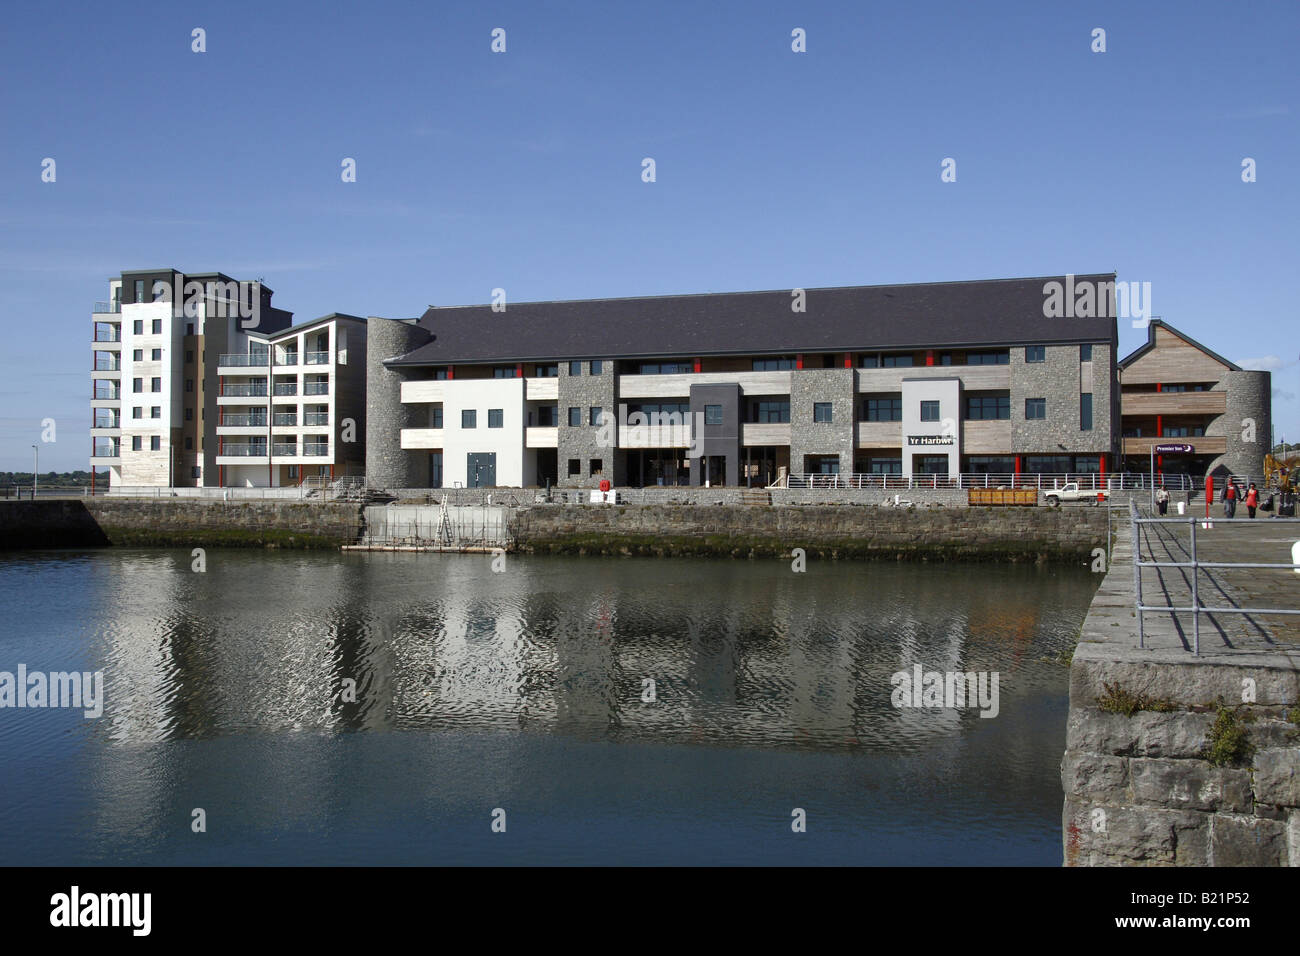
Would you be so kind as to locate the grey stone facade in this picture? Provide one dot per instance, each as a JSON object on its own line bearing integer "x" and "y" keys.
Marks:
{"x": 387, "y": 464}
{"x": 1249, "y": 403}
{"x": 586, "y": 442}
{"x": 1057, "y": 379}
{"x": 836, "y": 437}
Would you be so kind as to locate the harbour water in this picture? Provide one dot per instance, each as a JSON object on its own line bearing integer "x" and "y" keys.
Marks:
{"x": 325, "y": 708}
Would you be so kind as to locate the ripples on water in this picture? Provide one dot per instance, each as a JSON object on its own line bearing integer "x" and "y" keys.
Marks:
{"x": 746, "y": 657}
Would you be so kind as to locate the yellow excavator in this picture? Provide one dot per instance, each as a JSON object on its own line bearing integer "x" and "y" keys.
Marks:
{"x": 1283, "y": 475}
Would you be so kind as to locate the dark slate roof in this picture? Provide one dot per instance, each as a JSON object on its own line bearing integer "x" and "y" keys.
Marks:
{"x": 1154, "y": 324}
{"x": 985, "y": 313}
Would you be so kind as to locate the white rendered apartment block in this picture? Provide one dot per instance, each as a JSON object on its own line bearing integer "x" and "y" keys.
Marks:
{"x": 291, "y": 404}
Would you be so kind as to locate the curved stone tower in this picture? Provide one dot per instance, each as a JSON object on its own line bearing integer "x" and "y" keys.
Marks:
{"x": 1247, "y": 424}
{"x": 387, "y": 465}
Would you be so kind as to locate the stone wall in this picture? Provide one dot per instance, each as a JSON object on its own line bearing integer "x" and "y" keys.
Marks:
{"x": 1011, "y": 534}
{"x": 387, "y": 464}
{"x": 584, "y": 441}
{"x": 1249, "y": 398}
{"x": 836, "y": 437}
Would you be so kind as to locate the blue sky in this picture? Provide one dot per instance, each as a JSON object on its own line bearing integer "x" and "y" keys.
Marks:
{"x": 522, "y": 170}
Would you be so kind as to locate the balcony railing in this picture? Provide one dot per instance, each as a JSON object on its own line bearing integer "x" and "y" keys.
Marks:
{"x": 106, "y": 393}
{"x": 243, "y": 360}
{"x": 106, "y": 451}
{"x": 109, "y": 307}
{"x": 285, "y": 418}
{"x": 315, "y": 418}
{"x": 288, "y": 358}
{"x": 315, "y": 450}
{"x": 316, "y": 388}
{"x": 242, "y": 390}
{"x": 104, "y": 365}
{"x": 285, "y": 448}
{"x": 317, "y": 358}
{"x": 108, "y": 335}
{"x": 286, "y": 388}
{"x": 106, "y": 421}
{"x": 244, "y": 421}
{"x": 243, "y": 451}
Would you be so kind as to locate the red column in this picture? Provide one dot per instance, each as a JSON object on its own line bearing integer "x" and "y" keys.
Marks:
{"x": 451, "y": 372}
{"x": 929, "y": 357}
{"x": 798, "y": 360}
{"x": 848, "y": 360}
{"x": 697, "y": 365}
{"x": 519, "y": 370}
{"x": 1016, "y": 478}
{"x": 1103, "y": 469}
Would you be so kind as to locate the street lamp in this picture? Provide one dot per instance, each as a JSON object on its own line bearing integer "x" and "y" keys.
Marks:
{"x": 36, "y": 466}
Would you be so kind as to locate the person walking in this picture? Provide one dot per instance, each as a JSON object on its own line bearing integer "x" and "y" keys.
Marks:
{"x": 1252, "y": 499}
{"x": 1162, "y": 500}
{"x": 1230, "y": 499}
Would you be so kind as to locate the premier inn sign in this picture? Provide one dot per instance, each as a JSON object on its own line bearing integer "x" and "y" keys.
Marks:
{"x": 930, "y": 440}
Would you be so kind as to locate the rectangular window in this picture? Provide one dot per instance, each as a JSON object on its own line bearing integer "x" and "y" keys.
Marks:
{"x": 468, "y": 418}
{"x": 155, "y": 385}
{"x": 988, "y": 407}
{"x": 155, "y": 443}
{"x": 773, "y": 364}
{"x": 439, "y": 375}
{"x": 597, "y": 466}
{"x": 189, "y": 328}
{"x": 137, "y": 385}
{"x": 1085, "y": 353}
{"x": 548, "y": 416}
{"x": 189, "y": 385}
{"x": 869, "y": 361}
{"x": 435, "y": 416}
{"x": 137, "y": 355}
{"x": 503, "y": 371}
{"x": 821, "y": 411}
{"x": 575, "y": 417}
{"x": 575, "y": 467}
{"x": 189, "y": 414}
{"x": 713, "y": 414}
{"x": 885, "y": 466}
{"x": 596, "y": 416}
{"x": 1085, "y": 412}
{"x": 189, "y": 356}
{"x": 137, "y": 443}
{"x": 665, "y": 368}
{"x": 597, "y": 367}
{"x": 495, "y": 417}
{"x": 137, "y": 411}
{"x": 1035, "y": 408}
{"x": 547, "y": 371}
{"x": 155, "y": 355}
{"x": 929, "y": 411}
{"x": 137, "y": 327}
{"x": 772, "y": 411}
{"x": 575, "y": 369}
{"x": 885, "y": 409}
{"x": 197, "y": 472}
{"x": 435, "y": 469}
{"x": 943, "y": 358}
{"x": 999, "y": 357}
{"x": 896, "y": 361}
{"x": 1035, "y": 353}
{"x": 157, "y": 326}
{"x": 139, "y": 290}
{"x": 189, "y": 443}
{"x": 155, "y": 411}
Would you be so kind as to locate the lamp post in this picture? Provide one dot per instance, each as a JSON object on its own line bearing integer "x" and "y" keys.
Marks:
{"x": 36, "y": 466}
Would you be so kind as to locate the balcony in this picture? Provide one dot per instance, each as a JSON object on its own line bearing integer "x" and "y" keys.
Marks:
{"x": 240, "y": 360}
{"x": 110, "y": 334}
{"x": 106, "y": 394}
{"x": 285, "y": 449}
{"x": 242, "y": 421}
{"x": 315, "y": 418}
{"x": 316, "y": 450}
{"x": 1173, "y": 403}
{"x": 242, "y": 391}
{"x": 256, "y": 450}
{"x": 108, "y": 363}
{"x": 541, "y": 389}
{"x": 421, "y": 438}
{"x": 288, "y": 358}
{"x": 424, "y": 391}
{"x": 285, "y": 418}
{"x": 109, "y": 308}
{"x": 285, "y": 388}
{"x": 102, "y": 449}
{"x": 678, "y": 384}
{"x": 317, "y": 358}
{"x": 109, "y": 419}
{"x": 316, "y": 388}
{"x": 541, "y": 436}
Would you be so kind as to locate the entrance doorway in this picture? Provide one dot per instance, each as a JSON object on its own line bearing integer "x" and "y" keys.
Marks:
{"x": 481, "y": 469}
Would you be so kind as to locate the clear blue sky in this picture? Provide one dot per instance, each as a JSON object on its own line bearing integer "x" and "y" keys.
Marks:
{"x": 523, "y": 170}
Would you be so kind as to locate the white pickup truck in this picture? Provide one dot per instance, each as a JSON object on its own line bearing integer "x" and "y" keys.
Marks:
{"x": 1071, "y": 492}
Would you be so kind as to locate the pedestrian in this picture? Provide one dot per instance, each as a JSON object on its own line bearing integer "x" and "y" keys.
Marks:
{"x": 1252, "y": 499}
{"x": 1162, "y": 500}
{"x": 1230, "y": 500}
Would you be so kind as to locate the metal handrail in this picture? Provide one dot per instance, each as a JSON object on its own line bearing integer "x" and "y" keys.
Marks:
{"x": 1195, "y": 564}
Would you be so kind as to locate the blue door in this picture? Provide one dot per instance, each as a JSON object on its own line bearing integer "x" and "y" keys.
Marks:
{"x": 481, "y": 469}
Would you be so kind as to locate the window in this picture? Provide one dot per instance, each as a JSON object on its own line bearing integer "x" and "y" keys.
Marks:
{"x": 575, "y": 369}
{"x": 885, "y": 466}
{"x": 988, "y": 407}
{"x": 575, "y": 417}
{"x": 597, "y": 367}
{"x": 435, "y": 416}
{"x": 495, "y": 417}
{"x": 439, "y": 375}
{"x": 772, "y": 411}
{"x": 998, "y": 357}
{"x": 896, "y": 361}
{"x": 137, "y": 411}
{"x": 155, "y": 355}
{"x": 155, "y": 384}
{"x": 139, "y": 292}
{"x": 137, "y": 355}
{"x": 884, "y": 409}
{"x": 157, "y": 326}
{"x": 665, "y": 368}
{"x": 468, "y": 418}
{"x": 1035, "y": 408}
{"x": 1085, "y": 353}
{"x": 943, "y": 358}
{"x": 189, "y": 385}
{"x": 155, "y": 443}
{"x": 189, "y": 356}
{"x": 503, "y": 371}
{"x": 869, "y": 361}
{"x": 189, "y": 328}
{"x": 821, "y": 411}
{"x": 1035, "y": 353}
{"x": 575, "y": 467}
{"x": 930, "y": 411}
{"x": 435, "y": 469}
{"x": 1085, "y": 412}
{"x": 137, "y": 327}
{"x": 189, "y": 443}
{"x": 596, "y": 415}
{"x": 548, "y": 416}
{"x": 597, "y": 466}
{"x": 155, "y": 411}
{"x": 189, "y": 414}
{"x": 547, "y": 371}
{"x": 773, "y": 364}
{"x": 713, "y": 414}
{"x": 137, "y": 443}
{"x": 137, "y": 385}
{"x": 197, "y": 472}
